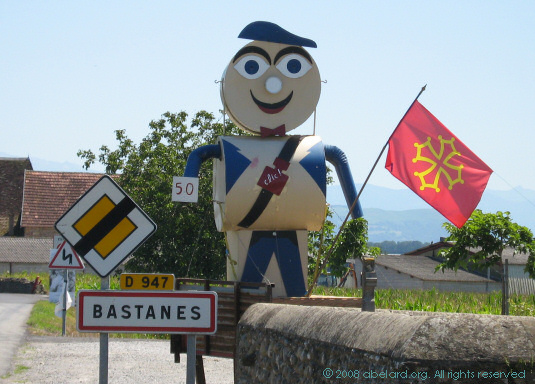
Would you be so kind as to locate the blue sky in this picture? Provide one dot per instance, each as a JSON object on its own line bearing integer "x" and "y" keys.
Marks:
{"x": 73, "y": 72}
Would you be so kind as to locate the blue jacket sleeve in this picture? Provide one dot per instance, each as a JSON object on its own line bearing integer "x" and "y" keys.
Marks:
{"x": 198, "y": 156}
{"x": 337, "y": 157}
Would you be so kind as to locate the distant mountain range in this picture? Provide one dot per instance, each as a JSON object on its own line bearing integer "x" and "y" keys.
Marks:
{"x": 400, "y": 215}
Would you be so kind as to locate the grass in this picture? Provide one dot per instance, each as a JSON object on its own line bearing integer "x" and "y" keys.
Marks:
{"x": 43, "y": 322}
{"x": 18, "y": 369}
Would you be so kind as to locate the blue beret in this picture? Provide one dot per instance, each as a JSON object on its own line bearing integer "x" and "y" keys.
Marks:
{"x": 266, "y": 31}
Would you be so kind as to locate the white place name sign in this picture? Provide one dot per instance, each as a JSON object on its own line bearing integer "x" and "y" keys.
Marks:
{"x": 191, "y": 312}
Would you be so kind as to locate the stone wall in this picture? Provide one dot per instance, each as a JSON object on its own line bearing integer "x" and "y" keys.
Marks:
{"x": 298, "y": 344}
{"x": 4, "y": 225}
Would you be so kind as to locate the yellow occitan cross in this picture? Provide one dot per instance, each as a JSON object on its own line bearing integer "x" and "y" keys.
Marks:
{"x": 440, "y": 161}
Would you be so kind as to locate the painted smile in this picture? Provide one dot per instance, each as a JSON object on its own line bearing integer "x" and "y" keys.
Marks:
{"x": 272, "y": 108}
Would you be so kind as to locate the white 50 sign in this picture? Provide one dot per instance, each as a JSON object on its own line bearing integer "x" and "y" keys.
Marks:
{"x": 185, "y": 189}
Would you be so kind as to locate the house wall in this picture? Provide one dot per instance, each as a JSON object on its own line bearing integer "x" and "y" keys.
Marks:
{"x": 4, "y": 225}
{"x": 42, "y": 268}
{"x": 351, "y": 283}
{"x": 8, "y": 225}
{"x": 23, "y": 267}
{"x": 39, "y": 232}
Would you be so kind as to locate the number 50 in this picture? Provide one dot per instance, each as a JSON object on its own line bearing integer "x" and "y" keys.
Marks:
{"x": 185, "y": 189}
{"x": 189, "y": 188}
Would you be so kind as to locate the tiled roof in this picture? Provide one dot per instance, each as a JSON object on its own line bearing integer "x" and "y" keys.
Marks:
{"x": 11, "y": 183}
{"x": 514, "y": 258}
{"x": 48, "y": 195}
{"x": 423, "y": 268}
{"x": 25, "y": 250}
{"x": 508, "y": 253}
{"x": 429, "y": 248}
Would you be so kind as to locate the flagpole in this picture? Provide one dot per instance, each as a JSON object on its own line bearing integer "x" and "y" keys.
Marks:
{"x": 408, "y": 109}
{"x": 331, "y": 249}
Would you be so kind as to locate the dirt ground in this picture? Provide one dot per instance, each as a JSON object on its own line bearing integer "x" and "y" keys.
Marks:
{"x": 65, "y": 360}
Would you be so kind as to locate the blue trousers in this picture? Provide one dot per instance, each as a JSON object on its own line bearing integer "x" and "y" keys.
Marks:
{"x": 285, "y": 246}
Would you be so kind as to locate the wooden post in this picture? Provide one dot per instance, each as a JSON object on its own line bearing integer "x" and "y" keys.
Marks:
{"x": 199, "y": 368}
{"x": 506, "y": 287}
{"x": 369, "y": 282}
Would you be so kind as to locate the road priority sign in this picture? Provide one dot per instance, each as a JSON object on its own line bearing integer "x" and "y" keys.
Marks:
{"x": 148, "y": 281}
{"x": 105, "y": 226}
{"x": 192, "y": 312}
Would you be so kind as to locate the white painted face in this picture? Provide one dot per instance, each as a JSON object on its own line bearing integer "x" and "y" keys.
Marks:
{"x": 269, "y": 85}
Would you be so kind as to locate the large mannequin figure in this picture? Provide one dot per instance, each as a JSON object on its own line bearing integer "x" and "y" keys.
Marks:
{"x": 269, "y": 189}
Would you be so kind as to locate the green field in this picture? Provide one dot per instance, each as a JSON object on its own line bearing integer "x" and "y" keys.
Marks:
{"x": 436, "y": 301}
{"x": 43, "y": 321}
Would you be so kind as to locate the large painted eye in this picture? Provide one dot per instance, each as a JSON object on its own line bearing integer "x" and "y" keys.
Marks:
{"x": 251, "y": 67}
{"x": 294, "y": 66}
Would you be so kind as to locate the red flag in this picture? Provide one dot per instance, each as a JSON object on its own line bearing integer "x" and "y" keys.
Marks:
{"x": 436, "y": 165}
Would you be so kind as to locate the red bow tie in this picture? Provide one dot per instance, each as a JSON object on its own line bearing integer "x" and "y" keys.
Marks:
{"x": 279, "y": 131}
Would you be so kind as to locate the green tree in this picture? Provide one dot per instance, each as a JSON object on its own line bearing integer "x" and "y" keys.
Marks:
{"x": 186, "y": 242}
{"x": 319, "y": 242}
{"x": 326, "y": 254}
{"x": 486, "y": 235}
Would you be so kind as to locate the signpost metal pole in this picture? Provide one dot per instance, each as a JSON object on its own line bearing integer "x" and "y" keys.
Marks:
{"x": 103, "y": 366}
{"x": 192, "y": 352}
{"x": 99, "y": 212}
{"x": 64, "y": 312}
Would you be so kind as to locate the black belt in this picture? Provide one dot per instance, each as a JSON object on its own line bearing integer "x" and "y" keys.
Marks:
{"x": 286, "y": 154}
